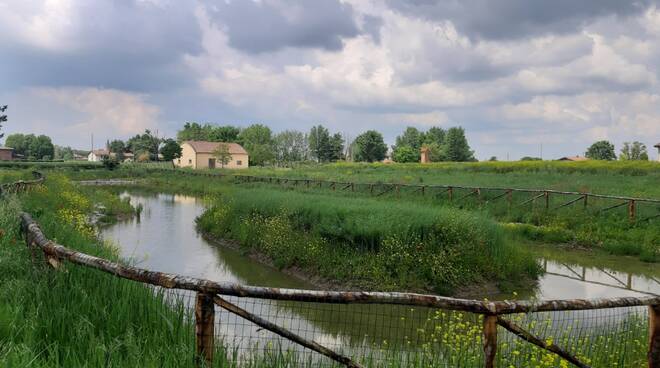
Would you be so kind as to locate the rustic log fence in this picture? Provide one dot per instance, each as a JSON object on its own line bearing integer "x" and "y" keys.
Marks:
{"x": 22, "y": 185}
{"x": 210, "y": 294}
{"x": 480, "y": 195}
{"x": 499, "y": 321}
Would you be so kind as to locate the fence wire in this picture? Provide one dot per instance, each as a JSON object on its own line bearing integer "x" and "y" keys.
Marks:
{"x": 375, "y": 335}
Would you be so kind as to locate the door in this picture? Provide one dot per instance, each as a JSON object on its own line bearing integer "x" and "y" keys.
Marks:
{"x": 211, "y": 163}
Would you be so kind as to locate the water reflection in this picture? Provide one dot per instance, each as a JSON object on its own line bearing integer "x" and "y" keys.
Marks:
{"x": 165, "y": 239}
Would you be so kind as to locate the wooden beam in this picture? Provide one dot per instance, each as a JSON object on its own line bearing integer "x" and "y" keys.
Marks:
{"x": 204, "y": 329}
{"x": 521, "y": 333}
{"x": 490, "y": 340}
{"x": 654, "y": 336}
{"x": 312, "y": 345}
{"x": 174, "y": 281}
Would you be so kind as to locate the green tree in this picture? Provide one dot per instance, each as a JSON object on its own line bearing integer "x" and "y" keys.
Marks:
{"x": 528, "y": 158}
{"x": 336, "y": 148}
{"x": 118, "y": 147}
{"x": 634, "y": 151}
{"x": 222, "y": 154}
{"x": 213, "y": 133}
{"x": 405, "y": 154}
{"x": 31, "y": 146}
{"x": 370, "y": 147}
{"x": 146, "y": 143}
{"x": 170, "y": 150}
{"x": 257, "y": 139}
{"x": 319, "y": 143}
{"x": 435, "y": 135}
{"x": 290, "y": 147}
{"x": 3, "y": 118}
{"x": 601, "y": 150}
{"x": 437, "y": 152}
{"x": 63, "y": 153}
{"x": 456, "y": 146}
{"x": 412, "y": 138}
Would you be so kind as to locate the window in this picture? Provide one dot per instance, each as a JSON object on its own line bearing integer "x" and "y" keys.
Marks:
{"x": 239, "y": 163}
{"x": 178, "y": 161}
{"x": 190, "y": 161}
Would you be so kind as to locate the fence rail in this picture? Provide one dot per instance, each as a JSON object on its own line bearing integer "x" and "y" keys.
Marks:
{"x": 210, "y": 293}
{"x": 498, "y": 321}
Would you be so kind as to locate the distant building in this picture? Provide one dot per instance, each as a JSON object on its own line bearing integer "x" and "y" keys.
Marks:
{"x": 425, "y": 155}
{"x": 6, "y": 153}
{"x": 200, "y": 155}
{"x": 98, "y": 155}
{"x": 573, "y": 158}
{"x": 658, "y": 147}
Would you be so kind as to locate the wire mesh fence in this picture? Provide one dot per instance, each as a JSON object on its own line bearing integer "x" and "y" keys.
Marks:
{"x": 378, "y": 335}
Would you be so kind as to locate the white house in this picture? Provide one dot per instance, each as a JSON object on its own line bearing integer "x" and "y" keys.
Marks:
{"x": 658, "y": 147}
{"x": 97, "y": 155}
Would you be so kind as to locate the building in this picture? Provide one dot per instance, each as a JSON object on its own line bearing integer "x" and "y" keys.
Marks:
{"x": 425, "y": 155}
{"x": 200, "y": 155}
{"x": 658, "y": 147}
{"x": 573, "y": 158}
{"x": 98, "y": 155}
{"x": 6, "y": 153}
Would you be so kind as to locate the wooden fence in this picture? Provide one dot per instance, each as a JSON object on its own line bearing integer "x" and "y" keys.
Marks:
{"x": 480, "y": 194}
{"x": 211, "y": 293}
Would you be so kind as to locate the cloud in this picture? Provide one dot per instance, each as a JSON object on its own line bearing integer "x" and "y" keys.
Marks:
{"x": 134, "y": 45}
{"x": 69, "y": 115}
{"x": 517, "y": 19}
{"x": 271, "y": 25}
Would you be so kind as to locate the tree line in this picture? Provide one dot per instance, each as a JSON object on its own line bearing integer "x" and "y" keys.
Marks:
{"x": 321, "y": 145}
{"x": 604, "y": 150}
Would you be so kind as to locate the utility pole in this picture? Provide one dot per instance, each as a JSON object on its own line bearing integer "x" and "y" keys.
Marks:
{"x": 541, "y": 152}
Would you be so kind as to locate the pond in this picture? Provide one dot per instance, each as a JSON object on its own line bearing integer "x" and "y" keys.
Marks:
{"x": 164, "y": 238}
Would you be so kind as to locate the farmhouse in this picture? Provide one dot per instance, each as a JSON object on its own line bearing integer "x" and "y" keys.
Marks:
{"x": 200, "y": 155}
{"x": 573, "y": 158}
{"x": 658, "y": 147}
{"x": 97, "y": 155}
{"x": 6, "y": 153}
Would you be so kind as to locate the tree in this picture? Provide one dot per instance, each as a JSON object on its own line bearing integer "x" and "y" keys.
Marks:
{"x": 3, "y": 118}
{"x": 412, "y": 138}
{"x": 319, "y": 143}
{"x": 63, "y": 153}
{"x": 437, "y": 152}
{"x": 258, "y": 142}
{"x": 435, "y": 135}
{"x": 145, "y": 143}
{"x": 370, "y": 147}
{"x": 31, "y": 146}
{"x": 335, "y": 147}
{"x": 493, "y": 158}
{"x": 528, "y": 158}
{"x": 634, "y": 151}
{"x": 601, "y": 150}
{"x": 405, "y": 154}
{"x": 457, "y": 148}
{"x": 222, "y": 154}
{"x": 118, "y": 147}
{"x": 290, "y": 146}
{"x": 170, "y": 150}
{"x": 195, "y": 132}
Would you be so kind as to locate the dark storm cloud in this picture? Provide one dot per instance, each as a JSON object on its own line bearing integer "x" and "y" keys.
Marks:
{"x": 271, "y": 25}
{"x": 515, "y": 19}
{"x": 132, "y": 45}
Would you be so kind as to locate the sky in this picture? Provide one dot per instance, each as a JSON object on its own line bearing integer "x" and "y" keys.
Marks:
{"x": 522, "y": 77}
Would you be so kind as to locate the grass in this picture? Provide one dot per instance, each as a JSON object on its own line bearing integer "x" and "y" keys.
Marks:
{"x": 84, "y": 318}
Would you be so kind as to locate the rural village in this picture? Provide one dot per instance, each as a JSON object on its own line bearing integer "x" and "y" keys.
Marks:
{"x": 346, "y": 183}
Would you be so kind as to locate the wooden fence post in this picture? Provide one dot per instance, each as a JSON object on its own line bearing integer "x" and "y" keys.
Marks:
{"x": 450, "y": 190}
{"x": 490, "y": 340}
{"x": 632, "y": 210}
{"x": 586, "y": 201}
{"x": 509, "y": 197}
{"x": 654, "y": 336}
{"x": 204, "y": 329}
{"x": 547, "y": 200}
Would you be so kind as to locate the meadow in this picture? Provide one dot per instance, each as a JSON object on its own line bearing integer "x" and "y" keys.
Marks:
{"x": 142, "y": 328}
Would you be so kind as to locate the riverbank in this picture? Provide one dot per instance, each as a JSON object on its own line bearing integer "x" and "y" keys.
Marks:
{"x": 57, "y": 319}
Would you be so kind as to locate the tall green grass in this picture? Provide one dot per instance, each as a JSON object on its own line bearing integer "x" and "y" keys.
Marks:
{"x": 369, "y": 243}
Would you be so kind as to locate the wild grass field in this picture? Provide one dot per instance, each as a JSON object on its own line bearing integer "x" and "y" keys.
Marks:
{"x": 84, "y": 318}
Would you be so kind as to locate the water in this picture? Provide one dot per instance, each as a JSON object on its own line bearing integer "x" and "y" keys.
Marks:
{"x": 164, "y": 239}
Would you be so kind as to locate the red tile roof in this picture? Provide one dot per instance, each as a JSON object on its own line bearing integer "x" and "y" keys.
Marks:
{"x": 209, "y": 147}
